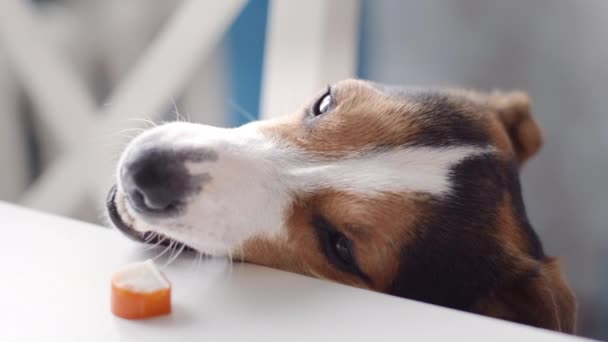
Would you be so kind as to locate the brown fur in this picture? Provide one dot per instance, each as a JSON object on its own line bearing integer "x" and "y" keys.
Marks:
{"x": 356, "y": 217}
{"x": 364, "y": 119}
{"x": 380, "y": 227}
{"x": 511, "y": 110}
{"x": 540, "y": 299}
{"x": 511, "y": 236}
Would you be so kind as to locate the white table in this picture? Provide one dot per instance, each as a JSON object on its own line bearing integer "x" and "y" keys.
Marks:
{"x": 55, "y": 287}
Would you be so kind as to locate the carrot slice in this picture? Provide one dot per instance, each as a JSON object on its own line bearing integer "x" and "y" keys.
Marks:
{"x": 140, "y": 290}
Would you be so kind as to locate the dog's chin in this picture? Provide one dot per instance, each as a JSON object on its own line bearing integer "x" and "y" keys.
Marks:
{"x": 127, "y": 224}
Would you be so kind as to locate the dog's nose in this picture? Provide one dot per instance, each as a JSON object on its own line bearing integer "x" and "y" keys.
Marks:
{"x": 155, "y": 181}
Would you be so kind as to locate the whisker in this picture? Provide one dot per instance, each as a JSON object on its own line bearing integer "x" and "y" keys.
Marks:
{"x": 151, "y": 120}
{"x": 128, "y": 133}
{"x": 175, "y": 110}
{"x": 173, "y": 249}
{"x": 200, "y": 259}
{"x": 230, "y": 263}
{"x": 126, "y": 136}
{"x": 158, "y": 243}
{"x": 165, "y": 250}
{"x": 146, "y": 121}
{"x": 179, "y": 251}
{"x": 130, "y": 129}
{"x": 149, "y": 238}
{"x": 242, "y": 111}
{"x": 194, "y": 261}
{"x": 178, "y": 116}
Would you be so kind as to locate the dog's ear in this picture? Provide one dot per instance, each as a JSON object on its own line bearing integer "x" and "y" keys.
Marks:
{"x": 513, "y": 111}
{"x": 542, "y": 299}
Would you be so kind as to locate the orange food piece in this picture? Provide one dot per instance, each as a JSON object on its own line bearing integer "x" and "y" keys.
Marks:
{"x": 140, "y": 290}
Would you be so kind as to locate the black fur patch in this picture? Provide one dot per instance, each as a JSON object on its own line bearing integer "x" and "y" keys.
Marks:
{"x": 455, "y": 258}
{"x": 443, "y": 121}
{"x": 535, "y": 248}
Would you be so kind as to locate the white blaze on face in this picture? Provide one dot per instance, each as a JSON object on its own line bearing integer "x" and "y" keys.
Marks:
{"x": 412, "y": 169}
{"x": 252, "y": 182}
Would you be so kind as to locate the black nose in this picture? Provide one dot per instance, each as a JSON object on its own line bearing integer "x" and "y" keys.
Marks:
{"x": 155, "y": 181}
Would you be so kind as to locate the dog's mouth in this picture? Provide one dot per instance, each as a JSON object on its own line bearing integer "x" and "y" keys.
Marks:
{"x": 145, "y": 237}
{"x": 118, "y": 221}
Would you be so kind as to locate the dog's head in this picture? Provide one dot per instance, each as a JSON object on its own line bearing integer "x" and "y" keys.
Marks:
{"x": 410, "y": 192}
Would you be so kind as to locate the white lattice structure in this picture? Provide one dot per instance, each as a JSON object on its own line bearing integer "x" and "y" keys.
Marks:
{"x": 86, "y": 135}
{"x": 309, "y": 44}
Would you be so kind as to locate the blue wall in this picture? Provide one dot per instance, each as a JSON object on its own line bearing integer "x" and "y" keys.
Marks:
{"x": 245, "y": 50}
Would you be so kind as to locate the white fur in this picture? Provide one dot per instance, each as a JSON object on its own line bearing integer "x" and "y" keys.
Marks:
{"x": 255, "y": 177}
{"x": 413, "y": 169}
{"x": 243, "y": 197}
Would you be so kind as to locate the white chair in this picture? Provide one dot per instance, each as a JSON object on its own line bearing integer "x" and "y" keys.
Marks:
{"x": 309, "y": 44}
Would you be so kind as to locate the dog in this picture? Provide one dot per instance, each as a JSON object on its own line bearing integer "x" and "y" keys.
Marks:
{"x": 410, "y": 192}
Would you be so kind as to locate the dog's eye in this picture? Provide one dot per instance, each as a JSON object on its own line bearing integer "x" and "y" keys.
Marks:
{"x": 321, "y": 106}
{"x": 342, "y": 246}
{"x": 337, "y": 247}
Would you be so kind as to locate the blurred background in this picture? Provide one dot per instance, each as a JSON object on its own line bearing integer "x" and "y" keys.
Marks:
{"x": 78, "y": 79}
